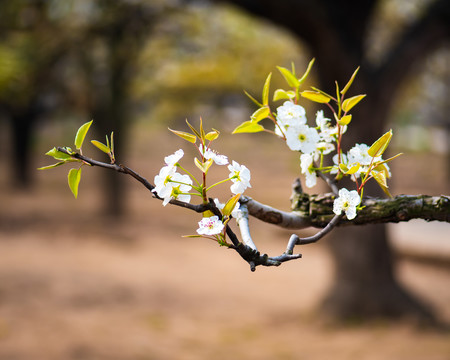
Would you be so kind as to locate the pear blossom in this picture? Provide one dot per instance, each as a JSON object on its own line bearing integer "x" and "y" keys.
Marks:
{"x": 306, "y": 165}
{"x": 240, "y": 176}
{"x": 171, "y": 160}
{"x": 289, "y": 114}
{"x": 327, "y": 133}
{"x": 172, "y": 185}
{"x": 302, "y": 138}
{"x": 163, "y": 181}
{"x": 359, "y": 154}
{"x": 347, "y": 202}
{"x": 210, "y": 154}
{"x": 210, "y": 226}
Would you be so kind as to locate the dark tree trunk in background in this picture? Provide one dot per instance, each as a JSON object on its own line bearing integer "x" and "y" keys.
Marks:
{"x": 335, "y": 32}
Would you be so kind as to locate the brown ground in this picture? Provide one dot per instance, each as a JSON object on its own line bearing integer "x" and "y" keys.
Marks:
{"x": 74, "y": 285}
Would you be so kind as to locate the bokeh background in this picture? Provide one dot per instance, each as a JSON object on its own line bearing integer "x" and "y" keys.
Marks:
{"x": 108, "y": 276}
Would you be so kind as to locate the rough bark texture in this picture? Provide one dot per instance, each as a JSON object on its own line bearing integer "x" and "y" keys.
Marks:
{"x": 319, "y": 209}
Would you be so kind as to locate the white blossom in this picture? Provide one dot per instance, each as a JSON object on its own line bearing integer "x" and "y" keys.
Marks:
{"x": 347, "y": 202}
{"x": 163, "y": 181}
{"x": 359, "y": 154}
{"x": 172, "y": 185}
{"x": 302, "y": 138}
{"x": 306, "y": 166}
{"x": 240, "y": 176}
{"x": 171, "y": 160}
{"x": 210, "y": 226}
{"x": 288, "y": 115}
{"x": 210, "y": 154}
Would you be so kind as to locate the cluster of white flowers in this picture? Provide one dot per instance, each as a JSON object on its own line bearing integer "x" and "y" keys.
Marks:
{"x": 169, "y": 184}
{"x": 172, "y": 185}
{"x": 358, "y": 156}
{"x": 310, "y": 141}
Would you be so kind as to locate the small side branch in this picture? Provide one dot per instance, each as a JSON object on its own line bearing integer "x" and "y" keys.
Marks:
{"x": 296, "y": 240}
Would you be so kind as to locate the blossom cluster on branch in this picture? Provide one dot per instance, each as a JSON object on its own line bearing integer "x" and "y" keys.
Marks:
{"x": 177, "y": 184}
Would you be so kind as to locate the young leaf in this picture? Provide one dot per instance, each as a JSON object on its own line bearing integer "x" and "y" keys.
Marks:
{"x": 265, "y": 93}
{"x": 380, "y": 177}
{"x": 322, "y": 92}
{"x": 315, "y": 96}
{"x": 347, "y": 86}
{"x": 202, "y": 131}
{"x": 248, "y": 127}
{"x": 379, "y": 146}
{"x": 212, "y": 135}
{"x": 74, "y": 178}
{"x": 230, "y": 205}
{"x": 260, "y": 114}
{"x": 253, "y": 99}
{"x": 353, "y": 169}
{"x": 281, "y": 94}
{"x": 112, "y": 142}
{"x": 345, "y": 120}
{"x": 193, "y": 130}
{"x": 289, "y": 77}
{"x": 305, "y": 75}
{"x": 351, "y": 102}
{"x": 184, "y": 135}
{"x": 52, "y": 166}
{"x": 204, "y": 167}
{"x": 101, "y": 146}
{"x": 58, "y": 155}
{"x": 81, "y": 134}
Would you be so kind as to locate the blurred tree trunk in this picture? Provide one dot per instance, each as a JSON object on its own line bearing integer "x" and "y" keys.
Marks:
{"x": 335, "y": 32}
{"x": 121, "y": 35}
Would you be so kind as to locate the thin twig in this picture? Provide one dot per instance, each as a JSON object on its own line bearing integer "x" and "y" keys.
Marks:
{"x": 296, "y": 240}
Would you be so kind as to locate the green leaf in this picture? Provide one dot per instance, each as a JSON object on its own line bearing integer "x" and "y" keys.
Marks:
{"x": 184, "y": 135}
{"x": 248, "y": 127}
{"x": 281, "y": 94}
{"x": 253, "y": 99}
{"x": 260, "y": 114}
{"x": 343, "y": 167}
{"x": 379, "y": 146}
{"x": 192, "y": 236}
{"x": 101, "y": 146}
{"x": 204, "y": 167}
{"x": 349, "y": 83}
{"x": 351, "y": 102}
{"x": 74, "y": 178}
{"x": 265, "y": 93}
{"x": 380, "y": 178}
{"x": 193, "y": 130}
{"x": 52, "y": 166}
{"x": 308, "y": 69}
{"x": 230, "y": 205}
{"x": 112, "y": 142}
{"x": 345, "y": 120}
{"x": 316, "y": 96}
{"x": 322, "y": 92}
{"x": 58, "y": 155}
{"x": 353, "y": 169}
{"x": 202, "y": 131}
{"x": 212, "y": 135}
{"x": 289, "y": 77}
{"x": 81, "y": 134}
